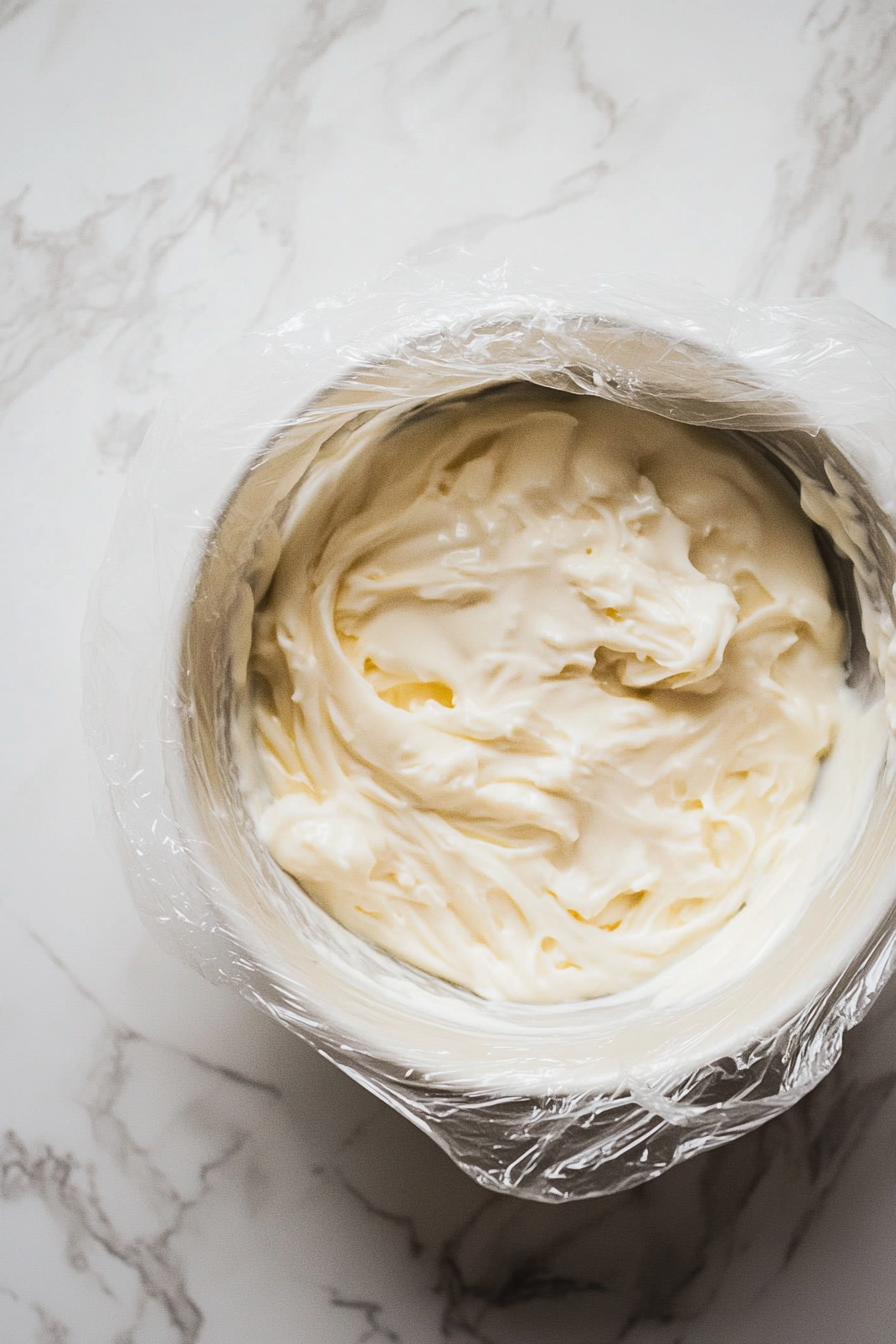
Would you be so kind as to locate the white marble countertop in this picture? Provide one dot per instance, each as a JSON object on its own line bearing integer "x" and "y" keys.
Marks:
{"x": 175, "y": 172}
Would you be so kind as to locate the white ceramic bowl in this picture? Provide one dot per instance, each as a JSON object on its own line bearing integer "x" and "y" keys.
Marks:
{"x": 550, "y": 1101}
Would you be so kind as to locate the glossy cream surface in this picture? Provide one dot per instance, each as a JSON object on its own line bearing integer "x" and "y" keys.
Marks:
{"x": 541, "y": 688}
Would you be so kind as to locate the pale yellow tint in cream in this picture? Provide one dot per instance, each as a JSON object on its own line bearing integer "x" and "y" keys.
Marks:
{"x": 541, "y": 690}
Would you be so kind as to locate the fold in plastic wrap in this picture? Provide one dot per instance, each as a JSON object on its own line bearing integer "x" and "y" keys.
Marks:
{"x": 551, "y": 1102}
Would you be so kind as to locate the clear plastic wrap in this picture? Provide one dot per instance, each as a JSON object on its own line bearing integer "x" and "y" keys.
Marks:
{"x": 550, "y": 1102}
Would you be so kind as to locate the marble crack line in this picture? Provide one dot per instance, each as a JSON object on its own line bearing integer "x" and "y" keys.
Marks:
{"x": 430, "y": 37}
{"x": 114, "y": 1136}
{"x": 404, "y": 1222}
{"x": 11, "y": 9}
{"x": 60, "y": 270}
{"x": 571, "y": 189}
{"x": 815, "y": 17}
{"x": 325, "y": 31}
{"x": 353, "y": 1137}
{"x": 222, "y": 1071}
{"x": 718, "y": 1229}
{"x": 67, "y": 1189}
{"x": 283, "y": 78}
{"x": 128, "y": 1034}
{"x": 75, "y": 265}
{"x": 109, "y": 1079}
{"x": 602, "y": 102}
{"x": 850, "y": 1121}
{"x": 52, "y": 1330}
{"x": 207, "y": 1172}
{"x": 525, "y": 1283}
{"x": 852, "y": 79}
{"x": 371, "y": 1312}
{"x": 466, "y": 1303}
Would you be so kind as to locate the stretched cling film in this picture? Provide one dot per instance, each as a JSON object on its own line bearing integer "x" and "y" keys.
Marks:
{"x": 551, "y": 1102}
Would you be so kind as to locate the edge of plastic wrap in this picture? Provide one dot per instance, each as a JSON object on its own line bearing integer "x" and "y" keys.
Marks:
{"x": 809, "y": 372}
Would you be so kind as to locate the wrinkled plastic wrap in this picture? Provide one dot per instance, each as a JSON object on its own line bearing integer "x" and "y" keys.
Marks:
{"x": 551, "y": 1102}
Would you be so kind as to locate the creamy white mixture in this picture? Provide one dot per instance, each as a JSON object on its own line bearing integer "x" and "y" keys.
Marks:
{"x": 541, "y": 688}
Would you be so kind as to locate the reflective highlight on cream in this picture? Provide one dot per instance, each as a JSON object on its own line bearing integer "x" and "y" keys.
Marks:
{"x": 541, "y": 689}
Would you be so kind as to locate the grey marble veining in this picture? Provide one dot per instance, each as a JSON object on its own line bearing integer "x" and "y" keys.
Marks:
{"x": 173, "y": 1167}
{"x": 170, "y": 1140}
{"x": 834, "y": 189}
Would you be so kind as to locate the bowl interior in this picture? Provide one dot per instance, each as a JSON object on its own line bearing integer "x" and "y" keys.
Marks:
{"x": 358, "y": 996}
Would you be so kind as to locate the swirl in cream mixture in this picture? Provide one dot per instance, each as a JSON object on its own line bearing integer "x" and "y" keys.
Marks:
{"x": 541, "y": 689}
